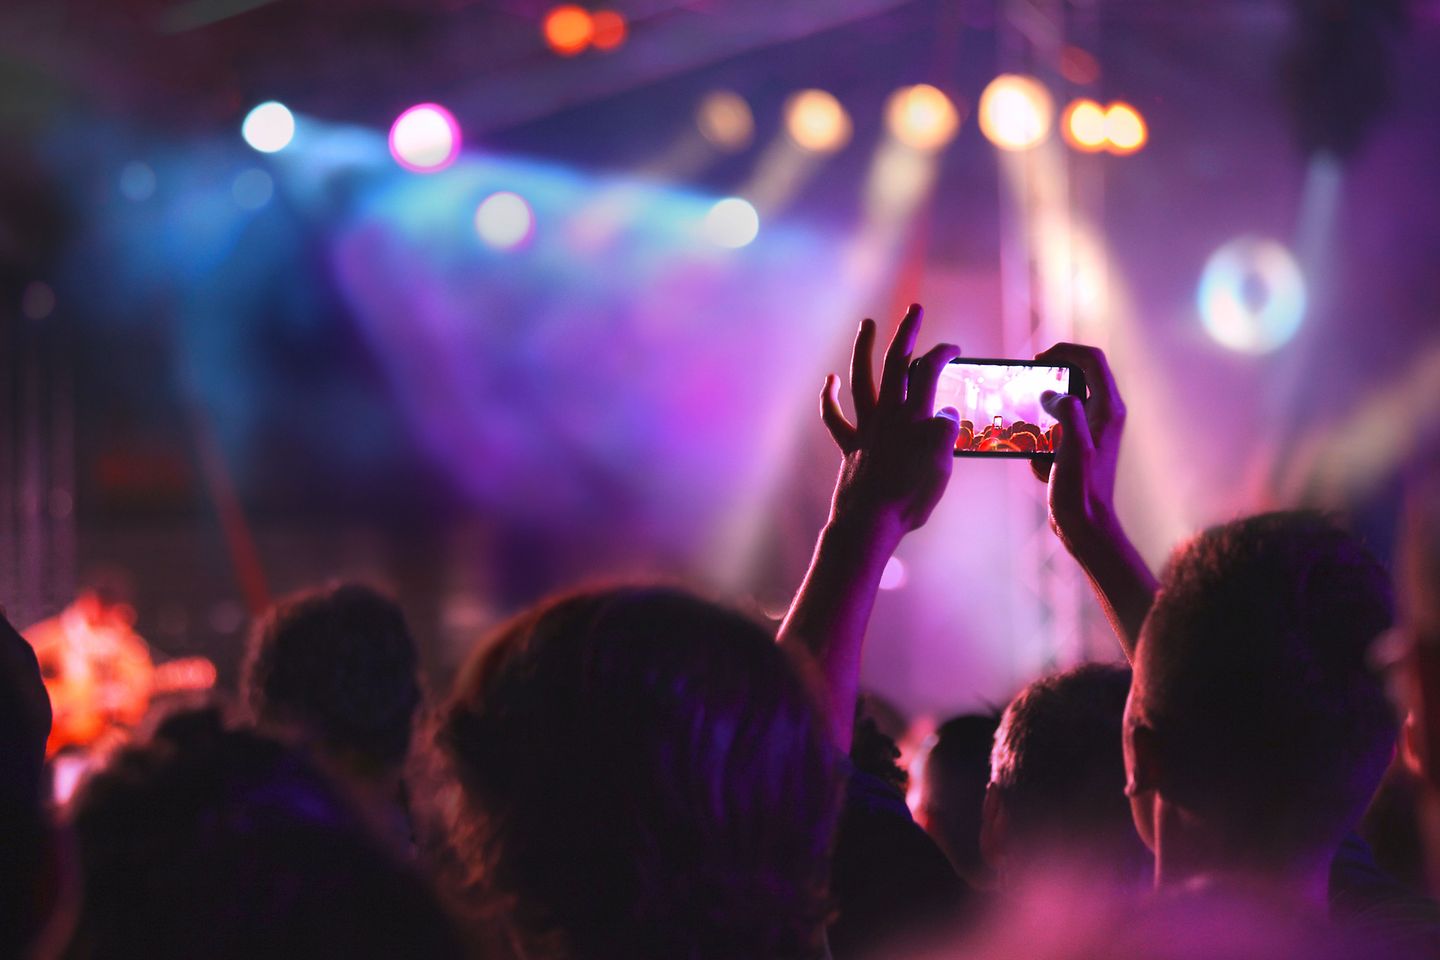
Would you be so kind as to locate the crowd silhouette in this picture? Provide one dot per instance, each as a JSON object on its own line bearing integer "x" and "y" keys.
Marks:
{"x": 637, "y": 771}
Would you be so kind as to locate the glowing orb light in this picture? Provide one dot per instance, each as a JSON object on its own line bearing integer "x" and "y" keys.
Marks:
{"x": 137, "y": 181}
{"x": 1124, "y": 128}
{"x": 817, "y": 122}
{"x": 732, "y": 223}
{"x": 1083, "y": 126}
{"x": 569, "y": 29}
{"x": 1252, "y": 295}
{"x": 1015, "y": 112}
{"x": 724, "y": 118}
{"x": 609, "y": 29}
{"x": 504, "y": 220}
{"x": 269, "y": 127}
{"x": 922, "y": 117}
{"x": 425, "y": 138}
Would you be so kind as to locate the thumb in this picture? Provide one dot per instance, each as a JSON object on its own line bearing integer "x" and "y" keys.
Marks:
{"x": 1075, "y": 440}
{"x": 946, "y": 426}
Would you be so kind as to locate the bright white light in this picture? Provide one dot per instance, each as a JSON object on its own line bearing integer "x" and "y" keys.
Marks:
{"x": 252, "y": 189}
{"x": 922, "y": 117}
{"x": 724, "y": 118}
{"x": 137, "y": 181}
{"x": 269, "y": 127}
{"x": 732, "y": 223}
{"x": 504, "y": 220}
{"x": 1015, "y": 112}
{"x": 1252, "y": 295}
{"x": 425, "y": 138}
{"x": 893, "y": 577}
{"x": 817, "y": 122}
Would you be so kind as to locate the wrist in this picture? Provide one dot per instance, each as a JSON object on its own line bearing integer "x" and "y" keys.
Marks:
{"x": 875, "y": 529}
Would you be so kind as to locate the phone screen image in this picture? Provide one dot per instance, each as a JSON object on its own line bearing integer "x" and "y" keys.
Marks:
{"x": 999, "y": 404}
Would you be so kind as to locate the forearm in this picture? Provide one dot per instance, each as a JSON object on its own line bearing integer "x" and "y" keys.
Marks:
{"x": 832, "y": 608}
{"x": 1119, "y": 576}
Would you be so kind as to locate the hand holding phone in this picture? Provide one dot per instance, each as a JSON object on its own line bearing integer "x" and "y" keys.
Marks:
{"x": 1001, "y": 411}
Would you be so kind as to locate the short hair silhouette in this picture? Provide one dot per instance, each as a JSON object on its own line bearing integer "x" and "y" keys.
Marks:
{"x": 1252, "y": 672}
{"x": 1058, "y": 770}
{"x": 957, "y": 768}
{"x": 208, "y": 842}
{"x": 645, "y": 776}
{"x": 338, "y": 663}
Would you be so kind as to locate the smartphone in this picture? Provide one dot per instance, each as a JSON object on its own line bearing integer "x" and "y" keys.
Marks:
{"x": 999, "y": 404}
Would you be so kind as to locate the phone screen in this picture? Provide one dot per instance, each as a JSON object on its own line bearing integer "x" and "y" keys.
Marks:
{"x": 999, "y": 404}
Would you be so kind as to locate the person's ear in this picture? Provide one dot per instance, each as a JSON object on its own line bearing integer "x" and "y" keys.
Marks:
{"x": 1147, "y": 769}
{"x": 993, "y": 827}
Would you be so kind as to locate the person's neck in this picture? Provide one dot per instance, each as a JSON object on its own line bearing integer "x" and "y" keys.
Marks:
{"x": 1188, "y": 857}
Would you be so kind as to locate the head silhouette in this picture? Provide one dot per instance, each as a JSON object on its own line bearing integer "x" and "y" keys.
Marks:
{"x": 1255, "y": 724}
{"x": 645, "y": 776}
{"x": 338, "y": 666}
{"x": 1057, "y": 780}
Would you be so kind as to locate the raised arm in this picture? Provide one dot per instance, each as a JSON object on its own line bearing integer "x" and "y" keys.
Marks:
{"x": 1082, "y": 493}
{"x": 897, "y": 461}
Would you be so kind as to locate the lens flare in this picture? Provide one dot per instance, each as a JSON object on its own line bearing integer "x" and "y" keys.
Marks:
{"x": 724, "y": 118}
{"x": 569, "y": 29}
{"x": 732, "y": 223}
{"x": 609, "y": 29}
{"x": 1016, "y": 112}
{"x": 1252, "y": 295}
{"x": 817, "y": 122}
{"x": 1083, "y": 126}
{"x": 425, "y": 138}
{"x": 269, "y": 127}
{"x": 504, "y": 221}
{"x": 922, "y": 117}
{"x": 1124, "y": 128}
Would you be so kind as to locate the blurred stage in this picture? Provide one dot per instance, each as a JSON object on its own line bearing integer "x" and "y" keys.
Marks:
{"x": 574, "y": 322}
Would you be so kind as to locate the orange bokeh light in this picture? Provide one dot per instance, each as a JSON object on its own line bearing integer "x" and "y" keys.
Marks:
{"x": 1083, "y": 126}
{"x": 569, "y": 30}
{"x": 1125, "y": 128}
{"x": 610, "y": 29}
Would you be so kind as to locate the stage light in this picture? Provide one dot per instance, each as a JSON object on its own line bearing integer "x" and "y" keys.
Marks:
{"x": 269, "y": 127}
{"x": 569, "y": 29}
{"x": 1252, "y": 295}
{"x": 252, "y": 189}
{"x": 1015, "y": 112}
{"x": 137, "y": 181}
{"x": 1083, "y": 126}
{"x": 817, "y": 122}
{"x": 1124, "y": 128}
{"x": 732, "y": 223}
{"x": 425, "y": 138}
{"x": 608, "y": 28}
{"x": 725, "y": 120}
{"x": 504, "y": 220}
{"x": 922, "y": 117}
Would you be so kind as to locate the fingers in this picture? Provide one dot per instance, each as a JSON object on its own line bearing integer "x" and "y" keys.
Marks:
{"x": 1076, "y": 444}
{"x": 1092, "y": 363}
{"x": 862, "y": 376}
{"x": 840, "y": 428}
{"x": 897, "y": 357}
{"x": 925, "y": 376}
{"x": 1040, "y": 466}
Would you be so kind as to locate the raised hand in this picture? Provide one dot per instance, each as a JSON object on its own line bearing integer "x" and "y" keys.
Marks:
{"x": 1082, "y": 491}
{"x": 897, "y": 461}
{"x": 898, "y": 452}
{"x": 1082, "y": 478}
